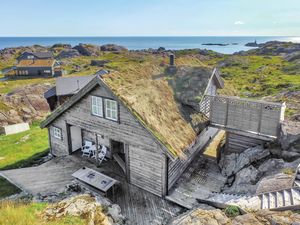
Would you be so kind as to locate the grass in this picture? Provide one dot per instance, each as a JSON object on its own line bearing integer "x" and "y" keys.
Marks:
{"x": 29, "y": 214}
{"x": 10, "y": 85}
{"x": 258, "y": 76}
{"x": 288, "y": 171}
{"x": 7, "y": 188}
{"x": 23, "y": 149}
{"x": 232, "y": 211}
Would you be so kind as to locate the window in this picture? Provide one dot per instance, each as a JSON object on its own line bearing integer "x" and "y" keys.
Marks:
{"x": 47, "y": 71}
{"x": 97, "y": 108}
{"x": 30, "y": 57}
{"x": 57, "y": 133}
{"x": 111, "y": 110}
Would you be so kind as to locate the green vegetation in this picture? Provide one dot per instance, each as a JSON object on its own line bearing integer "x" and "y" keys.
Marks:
{"x": 7, "y": 188}
{"x": 232, "y": 211}
{"x": 258, "y": 76}
{"x": 288, "y": 171}
{"x": 29, "y": 214}
{"x": 23, "y": 149}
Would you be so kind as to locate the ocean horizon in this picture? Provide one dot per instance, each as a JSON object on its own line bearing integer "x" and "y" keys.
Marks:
{"x": 231, "y": 43}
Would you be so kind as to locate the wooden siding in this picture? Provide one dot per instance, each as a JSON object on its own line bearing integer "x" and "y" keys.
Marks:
{"x": 178, "y": 166}
{"x": 145, "y": 155}
{"x": 146, "y": 169}
{"x": 257, "y": 117}
{"x": 237, "y": 143}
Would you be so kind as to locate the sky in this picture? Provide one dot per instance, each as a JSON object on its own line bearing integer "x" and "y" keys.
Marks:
{"x": 149, "y": 18}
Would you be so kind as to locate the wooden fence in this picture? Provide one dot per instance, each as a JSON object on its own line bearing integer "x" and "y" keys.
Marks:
{"x": 257, "y": 117}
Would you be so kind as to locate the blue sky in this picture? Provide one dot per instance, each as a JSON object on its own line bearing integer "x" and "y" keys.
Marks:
{"x": 149, "y": 17}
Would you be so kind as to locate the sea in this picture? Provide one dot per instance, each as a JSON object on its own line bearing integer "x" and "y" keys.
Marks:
{"x": 232, "y": 43}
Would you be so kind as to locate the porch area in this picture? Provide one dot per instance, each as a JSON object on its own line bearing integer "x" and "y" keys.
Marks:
{"x": 139, "y": 206}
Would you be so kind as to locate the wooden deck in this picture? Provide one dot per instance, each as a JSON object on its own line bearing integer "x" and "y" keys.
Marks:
{"x": 138, "y": 205}
{"x": 200, "y": 179}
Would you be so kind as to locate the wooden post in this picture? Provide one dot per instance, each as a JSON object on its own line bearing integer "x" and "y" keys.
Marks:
{"x": 227, "y": 107}
{"x": 97, "y": 149}
{"x": 260, "y": 118}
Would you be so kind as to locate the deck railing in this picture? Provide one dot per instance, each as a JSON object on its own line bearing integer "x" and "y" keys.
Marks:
{"x": 257, "y": 117}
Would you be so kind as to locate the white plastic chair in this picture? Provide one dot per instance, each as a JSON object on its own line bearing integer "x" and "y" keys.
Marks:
{"x": 101, "y": 154}
{"x": 86, "y": 148}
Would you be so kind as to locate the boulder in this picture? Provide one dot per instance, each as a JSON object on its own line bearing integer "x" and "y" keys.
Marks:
{"x": 271, "y": 166}
{"x": 247, "y": 219}
{"x": 217, "y": 217}
{"x": 227, "y": 164}
{"x": 87, "y": 49}
{"x": 233, "y": 163}
{"x": 83, "y": 206}
{"x": 290, "y": 135}
{"x": 61, "y": 45}
{"x": 68, "y": 53}
{"x": 100, "y": 63}
{"x": 245, "y": 181}
{"x": 113, "y": 48}
{"x": 201, "y": 217}
{"x": 290, "y": 156}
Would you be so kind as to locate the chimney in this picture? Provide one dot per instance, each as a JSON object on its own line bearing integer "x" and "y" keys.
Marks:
{"x": 172, "y": 59}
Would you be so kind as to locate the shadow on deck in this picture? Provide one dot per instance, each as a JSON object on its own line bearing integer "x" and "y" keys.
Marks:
{"x": 200, "y": 179}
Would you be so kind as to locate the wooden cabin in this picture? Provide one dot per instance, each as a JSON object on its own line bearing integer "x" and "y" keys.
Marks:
{"x": 37, "y": 64}
{"x": 96, "y": 113}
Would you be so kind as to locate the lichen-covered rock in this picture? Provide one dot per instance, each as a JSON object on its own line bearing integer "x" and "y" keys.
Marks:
{"x": 217, "y": 217}
{"x": 202, "y": 217}
{"x": 85, "y": 207}
{"x": 24, "y": 104}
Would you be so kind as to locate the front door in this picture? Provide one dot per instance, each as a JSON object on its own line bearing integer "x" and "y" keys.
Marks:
{"x": 75, "y": 138}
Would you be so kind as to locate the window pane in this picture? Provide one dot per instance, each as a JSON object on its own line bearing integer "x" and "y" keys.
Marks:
{"x": 97, "y": 108}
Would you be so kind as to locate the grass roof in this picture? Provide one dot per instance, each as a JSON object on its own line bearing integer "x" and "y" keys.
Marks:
{"x": 153, "y": 103}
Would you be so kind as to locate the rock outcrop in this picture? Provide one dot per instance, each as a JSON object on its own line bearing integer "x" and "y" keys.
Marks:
{"x": 233, "y": 163}
{"x": 25, "y": 104}
{"x": 87, "y": 49}
{"x": 68, "y": 53}
{"x": 218, "y": 217}
{"x": 86, "y": 207}
{"x": 113, "y": 48}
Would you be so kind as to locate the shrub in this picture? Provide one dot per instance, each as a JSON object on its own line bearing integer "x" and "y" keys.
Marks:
{"x": 232, "y": 211}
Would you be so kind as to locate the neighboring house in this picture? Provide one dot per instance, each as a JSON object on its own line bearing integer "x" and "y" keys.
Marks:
{"x": 35, "y": 55}
{"x": 97, "y": 114}
{"x": 66, "y": 87}
{"x": 37, "y": 64}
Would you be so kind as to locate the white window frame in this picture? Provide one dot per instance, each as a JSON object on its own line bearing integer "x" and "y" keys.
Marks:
{"x": 109, "y": 110}
{"x": 57, "y": 133}
{"x": 97, "y": 106}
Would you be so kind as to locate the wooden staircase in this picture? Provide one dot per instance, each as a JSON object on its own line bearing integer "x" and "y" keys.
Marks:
{"x": 297, "y": 177}
{"x": 284, "y": 199}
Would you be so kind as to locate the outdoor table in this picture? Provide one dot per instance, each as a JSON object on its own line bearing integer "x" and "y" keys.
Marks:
{"x": 95, "y": 179}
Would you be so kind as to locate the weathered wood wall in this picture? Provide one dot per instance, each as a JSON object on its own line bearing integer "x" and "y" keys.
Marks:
{"x": 146, "y": 162}
{"x": 178, "y": 166}
{"x": 245, "y": 115}
{"x": 237, "y": 143}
